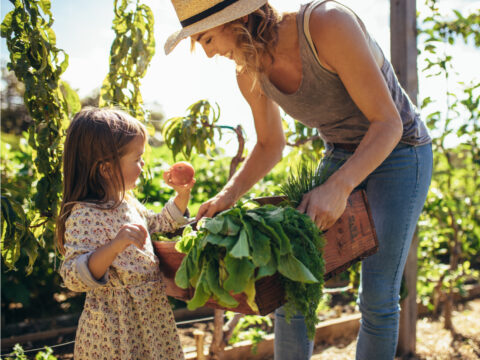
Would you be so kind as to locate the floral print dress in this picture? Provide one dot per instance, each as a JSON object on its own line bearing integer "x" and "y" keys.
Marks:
{"x": 126, "y": 313}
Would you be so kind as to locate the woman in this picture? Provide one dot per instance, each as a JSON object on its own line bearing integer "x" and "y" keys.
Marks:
{"x": 322, "y": 67}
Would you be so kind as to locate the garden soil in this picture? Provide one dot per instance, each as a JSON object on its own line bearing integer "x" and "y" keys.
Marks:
{"x": 433, "y": 341}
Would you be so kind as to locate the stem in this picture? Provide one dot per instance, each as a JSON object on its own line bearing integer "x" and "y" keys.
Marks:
{"x": 238, "y": 158}
{"x": 303, "y": 141}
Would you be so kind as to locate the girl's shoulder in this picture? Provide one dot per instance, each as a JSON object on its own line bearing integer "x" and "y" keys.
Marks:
{"x": 89, "y": 209}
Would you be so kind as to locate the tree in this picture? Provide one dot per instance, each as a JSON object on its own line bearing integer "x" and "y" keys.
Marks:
{"x": 450, "y": 225}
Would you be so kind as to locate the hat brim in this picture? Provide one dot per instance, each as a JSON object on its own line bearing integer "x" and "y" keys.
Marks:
{"x": 230, "y": 13}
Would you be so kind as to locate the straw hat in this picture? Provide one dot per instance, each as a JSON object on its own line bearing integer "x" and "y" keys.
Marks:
{"x": 197, "y": 16}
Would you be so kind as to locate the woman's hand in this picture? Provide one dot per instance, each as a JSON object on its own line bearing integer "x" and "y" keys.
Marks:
{"x": 216, "y": 204}
{"x": 324, "y": 204}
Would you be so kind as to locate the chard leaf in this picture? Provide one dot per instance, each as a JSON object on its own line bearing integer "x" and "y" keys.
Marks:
{"x": 267, "y": 270}
{"x": 202, "y": 294}
{"x": 221, "y": 295}
{"x": 202, "y": 291}
{"x": 181, "y": 276}
{"x": 225, "y": 241}
{"x": 260, "y": 244}
{"x": 250, "y": 291}
{"x": 274, "y": 214}
{"x": 284, "y": 242}
{"x": 231, "y": 228}
{"x": 240, "y": 271}
{"x": 241, "y": 248}
{"x": 292, "y": 268}
{"x": 215, "y": 225}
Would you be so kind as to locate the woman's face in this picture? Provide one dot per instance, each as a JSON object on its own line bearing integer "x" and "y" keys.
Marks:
{"x": 217, "y": 41}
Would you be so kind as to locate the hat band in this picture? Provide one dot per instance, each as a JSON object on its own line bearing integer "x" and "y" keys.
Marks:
{"x": 206, "y": 13}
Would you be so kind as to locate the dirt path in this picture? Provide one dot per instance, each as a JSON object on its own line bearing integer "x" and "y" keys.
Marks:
{"x": 433, "y": 341}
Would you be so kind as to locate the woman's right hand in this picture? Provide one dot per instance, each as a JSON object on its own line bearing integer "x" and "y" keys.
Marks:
{"x": 216, "y": 204}
{"x": 130, "y": 234}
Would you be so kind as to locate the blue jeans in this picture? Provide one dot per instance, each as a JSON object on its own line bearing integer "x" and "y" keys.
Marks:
{"x": 396, "y": 193}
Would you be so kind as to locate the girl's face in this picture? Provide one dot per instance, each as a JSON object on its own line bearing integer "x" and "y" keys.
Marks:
{"x": 217, "y": 41}
{"x": 131, "y": 163}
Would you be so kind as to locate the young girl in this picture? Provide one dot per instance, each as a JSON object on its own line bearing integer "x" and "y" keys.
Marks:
{"x": 104, "y": 234}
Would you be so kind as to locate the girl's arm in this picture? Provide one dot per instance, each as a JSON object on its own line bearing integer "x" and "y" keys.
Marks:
{"x": 343, "y": 49}
{"x": 88, "y": 248}
{"x": 266, "y": 153}
{"x": 101, "y": 259}
{"x": 174, "y": 213}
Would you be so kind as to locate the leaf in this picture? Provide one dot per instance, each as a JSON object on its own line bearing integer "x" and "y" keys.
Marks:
{"x": 239, "y": 273}
{"x": 292, "y": 268}
{"x": 181, "y": 276}
{"x": 231, "y": 228}
{"x": 214, "y": 225}
{"x": 202, "y": 291}
{"x": 260, "y": 244}
{"x": 202, "y": 294}
{"x": 71, "y": 98}
{"x": 225, "y": 241}
{"x": 241, "y": 248}
{"x": 250, "y": 291}
{"x": 267, "y": 270}
{"x": 221, "y": 295}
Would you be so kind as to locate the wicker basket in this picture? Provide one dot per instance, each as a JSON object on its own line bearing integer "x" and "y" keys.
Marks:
{"x": 351, "y": 239}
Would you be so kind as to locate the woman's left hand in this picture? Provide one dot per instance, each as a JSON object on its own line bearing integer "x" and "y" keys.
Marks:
{"x": 324, "y": 204}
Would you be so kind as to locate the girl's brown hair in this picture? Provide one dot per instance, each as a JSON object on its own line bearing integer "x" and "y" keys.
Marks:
{"x": 96, "y": 140}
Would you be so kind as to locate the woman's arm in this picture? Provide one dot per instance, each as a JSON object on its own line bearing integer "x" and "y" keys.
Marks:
{"x": 343, "y": 49}
{"x": 266, "y": 153}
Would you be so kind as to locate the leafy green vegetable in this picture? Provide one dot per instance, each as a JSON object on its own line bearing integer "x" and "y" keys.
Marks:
{"x": 229, "y": 252}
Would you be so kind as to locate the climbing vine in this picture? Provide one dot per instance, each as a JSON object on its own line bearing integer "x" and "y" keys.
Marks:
{"x": 130, "y": 55}
{"x": 38, "y": 63}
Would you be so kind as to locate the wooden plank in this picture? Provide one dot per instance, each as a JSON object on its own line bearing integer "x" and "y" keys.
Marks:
{"x": 403, "y": 38}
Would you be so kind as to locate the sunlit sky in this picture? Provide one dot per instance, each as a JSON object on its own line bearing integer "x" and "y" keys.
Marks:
{"x": 83, "y": 30}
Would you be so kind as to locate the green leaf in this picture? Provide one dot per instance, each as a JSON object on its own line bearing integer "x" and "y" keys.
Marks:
{"x": 261, "y": 253}
{"x": 239, "y": 273}
{"x": 214, "y": 225}
{"x": 292, "y": 268}
{"x": 241, "y": 248}
{"x": 202, "y": 291}
{"x": 225, "y": 241}
{"x": 221, "y": 295}
{"x": 267, "y": 270}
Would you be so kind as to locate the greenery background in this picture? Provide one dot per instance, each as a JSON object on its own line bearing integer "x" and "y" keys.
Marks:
{"x": 449, "y": 228}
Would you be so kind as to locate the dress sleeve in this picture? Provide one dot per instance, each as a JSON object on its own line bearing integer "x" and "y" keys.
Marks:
{"x": 84, "y": 233}
{"x": 167, "y": 220}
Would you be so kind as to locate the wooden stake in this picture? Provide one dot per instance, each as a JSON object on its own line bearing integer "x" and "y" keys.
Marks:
{"x": 199, "y": 336}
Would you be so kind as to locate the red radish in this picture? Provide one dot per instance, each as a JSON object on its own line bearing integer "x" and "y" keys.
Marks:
{"x": 181, "y": 173}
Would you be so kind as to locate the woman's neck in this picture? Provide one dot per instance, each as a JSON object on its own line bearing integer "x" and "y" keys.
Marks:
{"x": 286, "y": 49}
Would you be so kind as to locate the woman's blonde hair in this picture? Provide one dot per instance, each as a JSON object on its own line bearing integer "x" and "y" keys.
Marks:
{"x": 96, "y": 140}
{"x": 256, "y": 39}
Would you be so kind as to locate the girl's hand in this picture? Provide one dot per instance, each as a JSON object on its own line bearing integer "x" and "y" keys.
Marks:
{"x": 130, "y": 234}
{"x": 324, "y": 204}
{"x": 181, "y": 190}
{"x": 216, "y": 204}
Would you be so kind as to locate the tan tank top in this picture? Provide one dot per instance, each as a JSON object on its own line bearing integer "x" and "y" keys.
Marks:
{"x": 322, "y": 102}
